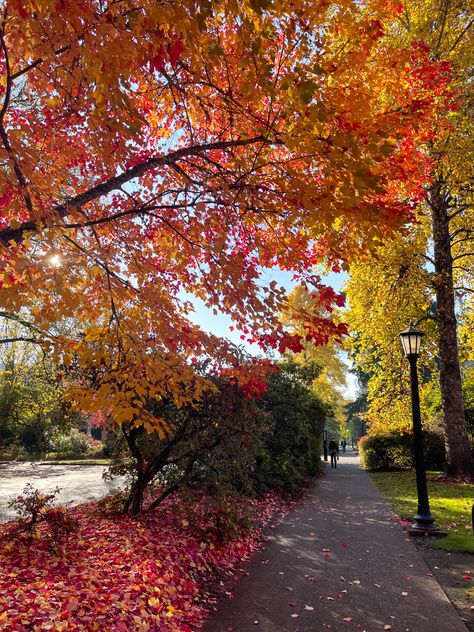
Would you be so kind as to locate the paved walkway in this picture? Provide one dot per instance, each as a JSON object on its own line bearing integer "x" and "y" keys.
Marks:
{"x": 338, "y": 562}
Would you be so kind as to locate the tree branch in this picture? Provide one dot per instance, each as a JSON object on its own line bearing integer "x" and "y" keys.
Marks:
{"x": 104, "y": 188}
{"x": 4, "y": 341}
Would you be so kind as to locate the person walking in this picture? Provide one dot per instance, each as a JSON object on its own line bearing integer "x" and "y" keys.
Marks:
{"x": 343, "y": 444}
{"x": 333, "y": 451}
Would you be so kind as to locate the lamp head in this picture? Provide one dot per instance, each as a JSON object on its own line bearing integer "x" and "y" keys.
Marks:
{"x": 411, "y": 341}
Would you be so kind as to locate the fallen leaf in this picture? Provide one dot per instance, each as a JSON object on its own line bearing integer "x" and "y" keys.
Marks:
{"x": 308, "y": 608}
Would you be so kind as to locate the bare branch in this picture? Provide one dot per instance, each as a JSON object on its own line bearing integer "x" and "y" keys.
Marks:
{"x": 463, "y": 255}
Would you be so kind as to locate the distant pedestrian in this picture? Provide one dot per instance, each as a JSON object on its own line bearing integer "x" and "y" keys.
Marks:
{"x": 343, "y": 444}
{"x": 333, "y": 451}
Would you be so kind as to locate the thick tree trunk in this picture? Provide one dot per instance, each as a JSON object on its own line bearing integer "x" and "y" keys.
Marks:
{"x": 459, "y": 457}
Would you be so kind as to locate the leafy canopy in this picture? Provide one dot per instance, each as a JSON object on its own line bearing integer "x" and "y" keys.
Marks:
{"x": 153, "y": 152}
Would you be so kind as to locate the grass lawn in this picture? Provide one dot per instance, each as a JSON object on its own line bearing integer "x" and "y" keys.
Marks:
{"x": 57, "y": 461}
{"x": 79, "y": 461}
{"x": 450, "y": 504}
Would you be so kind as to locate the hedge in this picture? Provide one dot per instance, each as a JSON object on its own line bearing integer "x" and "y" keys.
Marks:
{"x": 394, "y": 451}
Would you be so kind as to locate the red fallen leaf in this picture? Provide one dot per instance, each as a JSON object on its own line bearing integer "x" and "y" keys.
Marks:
{"x": 346, "y": 546}
{"x": 326, "y": 554}
{"x": 466, "y": 576}
{"x": 158, "y": 562}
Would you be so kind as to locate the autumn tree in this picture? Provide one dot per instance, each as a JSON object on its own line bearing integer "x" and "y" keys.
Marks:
{"x": 384, "y": 293}
{"x": 445, "y": 260}
{"x": 328, "y": 382}
{"x": 154, "y": 152}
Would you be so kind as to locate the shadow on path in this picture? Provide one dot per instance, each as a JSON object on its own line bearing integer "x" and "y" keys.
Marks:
{"x": 338, "y": 562}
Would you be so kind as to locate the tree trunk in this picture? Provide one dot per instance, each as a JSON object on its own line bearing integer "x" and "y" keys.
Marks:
{"x": 134, "y": 502}
{"x": 459, "y": 457}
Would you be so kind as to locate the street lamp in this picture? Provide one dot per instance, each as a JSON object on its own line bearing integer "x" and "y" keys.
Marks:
{"x": 424, "y": 521}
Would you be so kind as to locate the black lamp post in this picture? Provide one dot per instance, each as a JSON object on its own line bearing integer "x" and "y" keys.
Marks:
{"x": 424, "y": 521}
{"x": 325, "y": 444}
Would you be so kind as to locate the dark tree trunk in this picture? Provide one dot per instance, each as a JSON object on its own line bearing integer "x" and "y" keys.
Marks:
{"x": 134, "y": 502}
{"x": 459, "y": 457}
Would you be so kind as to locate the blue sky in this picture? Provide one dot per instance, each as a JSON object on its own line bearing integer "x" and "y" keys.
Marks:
{"x": 220, "y": 324}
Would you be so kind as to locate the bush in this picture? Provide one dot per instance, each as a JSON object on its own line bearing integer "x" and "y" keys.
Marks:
{"x": 394, "y": 451}
{"x": 38, "y": 517}
{"x": 221, "y": 518}
{"x": 294, "y": 419}
{"x": 72, "y": 446}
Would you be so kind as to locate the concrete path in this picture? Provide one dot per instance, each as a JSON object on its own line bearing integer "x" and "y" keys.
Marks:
{"x": 78, "y": 483}
{"x": 339, "y": 562}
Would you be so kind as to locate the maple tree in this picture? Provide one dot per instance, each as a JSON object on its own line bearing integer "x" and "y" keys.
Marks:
{"x": 152, "y": 153}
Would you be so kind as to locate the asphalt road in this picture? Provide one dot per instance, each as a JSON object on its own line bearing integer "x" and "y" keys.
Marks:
{"x": 78, "y": 483}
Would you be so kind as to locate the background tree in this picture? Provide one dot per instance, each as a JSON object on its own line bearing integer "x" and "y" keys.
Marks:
{"x": 384, "y": 294}
{"x": 328, "y": 377}
{"x": 32, "y": 405}
{"x": 447, "y": 28}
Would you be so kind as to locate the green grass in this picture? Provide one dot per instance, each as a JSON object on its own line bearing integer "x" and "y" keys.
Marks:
{"x": 79, "y": 461}
{"x": 57, "y": 461}
{"x": 450, "y": 504}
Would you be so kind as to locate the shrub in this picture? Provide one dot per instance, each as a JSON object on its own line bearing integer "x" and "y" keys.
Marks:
{"x": 394, "y": 451}
{"x": 73, "y": 445}
{"x": 294, "y": 419}
{"x": 38, "y": 516}
{"x": 221, "y": 518}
